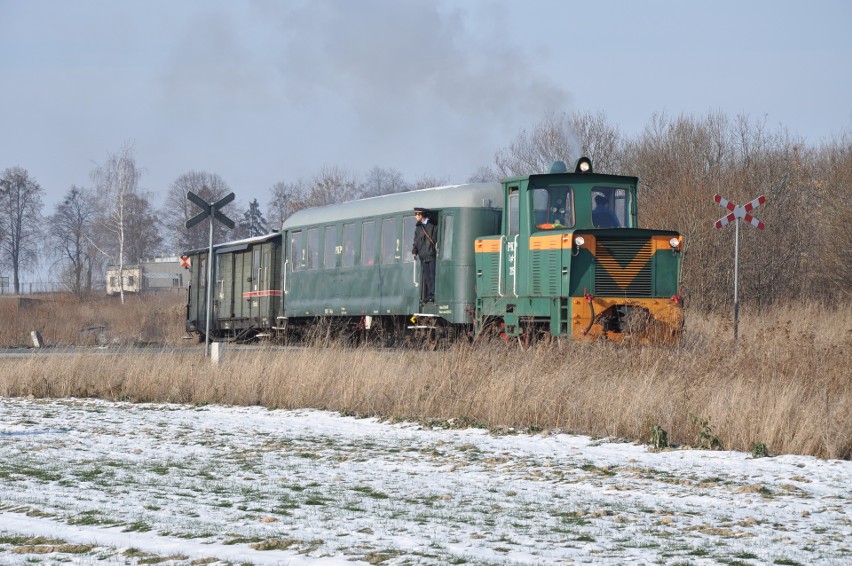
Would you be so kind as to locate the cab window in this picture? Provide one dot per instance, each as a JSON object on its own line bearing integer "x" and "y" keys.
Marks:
{"x": 514, "y": 211}
{"x": 609, "y": 207}
{"x": 552, "y": 208}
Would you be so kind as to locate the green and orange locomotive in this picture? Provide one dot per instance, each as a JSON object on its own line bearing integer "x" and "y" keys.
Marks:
{"x": 536, "y": 257}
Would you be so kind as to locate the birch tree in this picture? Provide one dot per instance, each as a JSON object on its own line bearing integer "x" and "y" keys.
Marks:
{"x": 116, "y": 183}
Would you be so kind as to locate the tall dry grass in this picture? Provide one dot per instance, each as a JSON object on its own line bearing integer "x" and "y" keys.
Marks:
{"x": 63, "y": 319}
{"x": 786, "y": 383}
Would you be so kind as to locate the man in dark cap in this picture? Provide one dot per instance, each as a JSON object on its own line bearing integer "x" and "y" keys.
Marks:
{"x": 426, "y": 251}
{"x": 602, "y": 215}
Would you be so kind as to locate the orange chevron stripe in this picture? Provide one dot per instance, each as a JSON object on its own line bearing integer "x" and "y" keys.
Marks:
{"x": 624, "y": 275}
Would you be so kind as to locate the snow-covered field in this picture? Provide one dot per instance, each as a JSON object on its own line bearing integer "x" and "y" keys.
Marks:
{"x": 93, "y": 482}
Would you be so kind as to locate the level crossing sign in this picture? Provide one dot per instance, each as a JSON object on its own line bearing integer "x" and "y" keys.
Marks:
{"x": 737, "y": 212}
{"x": 211, "y": 210}
{"x": 184, "y": 261}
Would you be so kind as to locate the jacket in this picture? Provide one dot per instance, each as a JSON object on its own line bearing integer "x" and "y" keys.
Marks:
{"x": 424, "y": 241}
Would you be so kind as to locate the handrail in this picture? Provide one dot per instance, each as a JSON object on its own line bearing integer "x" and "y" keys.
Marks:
{"x": 515, "y": 272}
{"x": 500, "y": 268}
{"x": 414, "y": 273}
{"x": 284, "y": 282}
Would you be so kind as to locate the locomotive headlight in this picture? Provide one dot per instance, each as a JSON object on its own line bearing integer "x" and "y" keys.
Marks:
{"x": 579, "y": 241}
{"x": 675, "y": 243}
{"x": 584, "y": 165}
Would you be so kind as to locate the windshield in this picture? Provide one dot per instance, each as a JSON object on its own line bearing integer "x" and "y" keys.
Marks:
{"x": 552, "y": 208}
{"x": 609, "y": 207}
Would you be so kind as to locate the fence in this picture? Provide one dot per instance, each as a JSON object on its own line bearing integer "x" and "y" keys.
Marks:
{"x": 36, "y": 287}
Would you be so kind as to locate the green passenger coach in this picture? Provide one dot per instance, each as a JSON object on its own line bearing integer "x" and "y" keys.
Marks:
{"x": 353, "y": 261}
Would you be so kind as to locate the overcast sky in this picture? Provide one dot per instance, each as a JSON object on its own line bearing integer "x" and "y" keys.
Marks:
{"x": 266, "y": 91}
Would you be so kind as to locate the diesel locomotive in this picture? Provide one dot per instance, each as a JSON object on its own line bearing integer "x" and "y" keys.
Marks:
{"x": 535, "y": 257}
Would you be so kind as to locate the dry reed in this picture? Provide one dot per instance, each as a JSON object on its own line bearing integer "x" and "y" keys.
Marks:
{"x": 785, "y": 383}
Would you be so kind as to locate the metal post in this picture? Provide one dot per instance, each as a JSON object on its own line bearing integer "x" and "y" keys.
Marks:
{"x": 211, "y": 210}
{"x": 736, "y": 277}
{"x": 209, "y": 313}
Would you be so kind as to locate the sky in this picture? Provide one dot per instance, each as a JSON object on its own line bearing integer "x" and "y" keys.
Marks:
{"x": 189, "y": 484}
{"x": 263, "y": 91}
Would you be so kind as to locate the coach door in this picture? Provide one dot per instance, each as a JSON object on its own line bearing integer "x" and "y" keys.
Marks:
{"x": 410, "y": 267}
{"x": 224, "y": 292}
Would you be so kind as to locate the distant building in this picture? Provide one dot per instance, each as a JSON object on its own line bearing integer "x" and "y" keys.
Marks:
{"x": 149, "y": 275}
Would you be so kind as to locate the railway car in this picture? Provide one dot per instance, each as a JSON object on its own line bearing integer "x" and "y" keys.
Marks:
{"x": 352, "y": 263}
{"x": 550, "y": 255}
{"x": 246, "y": 289}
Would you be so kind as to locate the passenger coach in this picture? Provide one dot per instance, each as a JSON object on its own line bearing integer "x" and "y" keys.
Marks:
{"x": 353, "y": 261}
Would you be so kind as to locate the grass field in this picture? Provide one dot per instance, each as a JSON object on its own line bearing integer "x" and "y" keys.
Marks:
{"x": 108, "y": 483}
{"x": 784, "y": 387}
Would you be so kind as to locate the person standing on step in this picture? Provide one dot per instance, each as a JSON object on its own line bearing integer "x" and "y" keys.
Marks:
{"x": 426, "y": 251}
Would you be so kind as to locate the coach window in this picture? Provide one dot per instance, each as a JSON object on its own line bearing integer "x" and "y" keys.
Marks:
{"x": 297, "y": 251}
{"x": 331, "y": 247}
{"x": 313, "y": 248}
{"x": 390, "y": 241}
{"x": 408, "y": 224}
{"x": 368, "y": 243}
{"x": 349, "y": 242}
{"x": 446, "y": 251}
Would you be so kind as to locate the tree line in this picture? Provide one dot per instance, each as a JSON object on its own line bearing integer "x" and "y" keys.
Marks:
{"x": 681, "y": 162}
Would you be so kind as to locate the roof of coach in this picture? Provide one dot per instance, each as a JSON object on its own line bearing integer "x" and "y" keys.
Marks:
{"x": 236, "y": 245}
{"x": 474, "y": 195}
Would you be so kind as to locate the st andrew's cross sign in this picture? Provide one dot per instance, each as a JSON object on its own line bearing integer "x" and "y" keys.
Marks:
{"x": 736, "y": 213}
{"x": 211, "y": 210}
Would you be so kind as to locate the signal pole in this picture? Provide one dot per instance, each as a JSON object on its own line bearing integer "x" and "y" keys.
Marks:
{"x": 211, "y": 210}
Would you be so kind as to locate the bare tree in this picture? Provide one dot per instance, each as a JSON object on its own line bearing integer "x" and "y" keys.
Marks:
{"x": 20, "y": 221}
{"x": 535, "y": 151}
{"x": 484, "y": 174}
{"x": 831, "y": 200}
{"x": 71, "y": 230}
{"x": 144, "y": 226}
{"x": 381, "y": 181}
{"x": 116, "y": 182}
{"x": 332, "y": 185}
{"x": 177, "y": 210}
{"x": 428, "y": 181}
{"x": 287, "y": 198}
